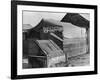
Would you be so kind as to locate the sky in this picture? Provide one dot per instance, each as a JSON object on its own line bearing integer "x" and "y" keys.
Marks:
{"x": 34, "y": 18}
{"x": 70, "y": 31}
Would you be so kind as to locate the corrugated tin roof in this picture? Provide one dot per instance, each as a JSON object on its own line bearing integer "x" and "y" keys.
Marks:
{"x": 50, "y": 48}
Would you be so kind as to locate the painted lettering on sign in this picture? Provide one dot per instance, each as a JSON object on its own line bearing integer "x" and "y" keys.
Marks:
{"x": 52, "y": 29}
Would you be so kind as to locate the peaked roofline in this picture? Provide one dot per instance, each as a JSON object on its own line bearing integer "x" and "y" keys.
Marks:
{"x": 76, "y": 19}
{"x": 44, "y": 22}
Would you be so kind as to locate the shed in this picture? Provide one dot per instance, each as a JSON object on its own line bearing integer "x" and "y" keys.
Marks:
{"x": 45, "y": 44}
{"x": 48, "y": 54}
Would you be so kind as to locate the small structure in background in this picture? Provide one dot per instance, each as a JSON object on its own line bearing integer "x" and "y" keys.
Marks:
{"x": 25, "y": 30}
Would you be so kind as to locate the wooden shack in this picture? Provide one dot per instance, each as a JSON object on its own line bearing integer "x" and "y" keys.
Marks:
{"x": 46, "y": 54}
{"x": 45, "y": 44}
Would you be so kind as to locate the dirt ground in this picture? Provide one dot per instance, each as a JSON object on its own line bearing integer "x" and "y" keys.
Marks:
{"x": 80, "y": 60}
{"x": 76, "y": 52}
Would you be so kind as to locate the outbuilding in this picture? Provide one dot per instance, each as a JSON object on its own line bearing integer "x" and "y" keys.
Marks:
{"x": 45, "y": 44}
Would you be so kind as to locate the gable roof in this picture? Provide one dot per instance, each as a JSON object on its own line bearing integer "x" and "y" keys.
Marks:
{"x": 76, "y": 19}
